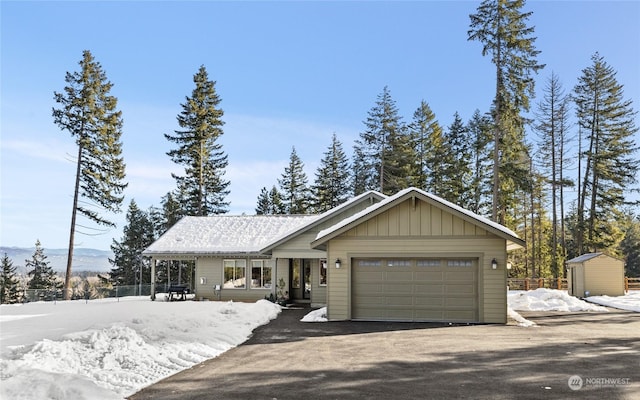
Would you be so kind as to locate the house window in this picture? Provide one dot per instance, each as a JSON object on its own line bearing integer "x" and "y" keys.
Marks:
{"x": 295, "y": 278}
{"x": 261, "y": 274}
{"x": 235, "y": 274}
{"x": 323, "y": 272}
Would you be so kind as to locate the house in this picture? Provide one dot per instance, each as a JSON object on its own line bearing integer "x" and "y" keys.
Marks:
{"x": 595, "y": 274}
{"x": 408, "y": 257}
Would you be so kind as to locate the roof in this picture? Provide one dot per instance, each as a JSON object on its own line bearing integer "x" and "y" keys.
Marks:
{"x": 513, "y": 241}
{"x": 367, "y": 196}
{"x": 225, "y": 234}
{"x": 588, "y": 256}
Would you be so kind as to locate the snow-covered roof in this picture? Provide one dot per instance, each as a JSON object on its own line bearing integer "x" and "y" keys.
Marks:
{"x": 324, "y": 216}
{"x": 225, "y": 234}
{"x": 513, "y": 241}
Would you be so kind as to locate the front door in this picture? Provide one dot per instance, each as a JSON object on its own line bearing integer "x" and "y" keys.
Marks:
{"x": 300, "y": 274}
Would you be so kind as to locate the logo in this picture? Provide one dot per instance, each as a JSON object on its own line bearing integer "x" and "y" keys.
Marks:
{"x": 575, "y": 382}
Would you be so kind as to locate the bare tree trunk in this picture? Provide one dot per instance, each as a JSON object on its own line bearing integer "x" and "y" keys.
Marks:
{"x": 72, "y": 230}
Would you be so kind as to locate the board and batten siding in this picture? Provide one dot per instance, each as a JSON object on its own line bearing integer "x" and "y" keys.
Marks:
{"x": 418, "y": 229}
{"x": 604, "y": 275}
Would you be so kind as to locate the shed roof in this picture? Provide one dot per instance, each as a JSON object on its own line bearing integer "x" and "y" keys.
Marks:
{"x": 513, "y": 241}
{"x": 225, "y": 234}
{"x": 588, "y": 256}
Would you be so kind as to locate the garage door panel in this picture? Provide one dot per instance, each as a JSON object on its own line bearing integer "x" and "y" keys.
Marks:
{"x": 415, "y": 290}
{"x": 460, "y": 275}
{"x": 431, "y": 276}
{"x": 464, "y": 289}
{"x": 429, "y": 289}
{"x": 429, "y": 301}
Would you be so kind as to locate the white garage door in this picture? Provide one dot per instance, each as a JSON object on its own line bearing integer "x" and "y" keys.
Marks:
{"x": 425, "y": 289}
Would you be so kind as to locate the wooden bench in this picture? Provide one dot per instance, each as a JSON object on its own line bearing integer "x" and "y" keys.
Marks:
{"x": 177, "y": 292}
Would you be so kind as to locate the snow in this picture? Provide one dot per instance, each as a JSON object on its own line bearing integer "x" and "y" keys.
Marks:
{"x": 111, "y": 348}
{"x": 630, "y": 302}
{"x": 319, "y": 315}
{"x": 548, "y": 300}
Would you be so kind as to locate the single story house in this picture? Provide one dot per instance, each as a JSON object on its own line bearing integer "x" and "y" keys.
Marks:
{"x": 595, "y": 274}
{"x": 412, "y": 256}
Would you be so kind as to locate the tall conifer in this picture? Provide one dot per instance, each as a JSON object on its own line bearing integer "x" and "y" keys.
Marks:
{"x": 331, "y": 186}
{"x": 88, "y": 112}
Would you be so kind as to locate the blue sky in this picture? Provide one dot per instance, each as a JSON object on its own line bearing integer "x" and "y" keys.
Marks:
{"x": 289, "y": 74}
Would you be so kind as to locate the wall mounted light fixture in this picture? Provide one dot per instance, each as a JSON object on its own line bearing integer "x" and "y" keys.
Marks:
{"x": 338, "y": 263}
{"x": 494, "y": 264}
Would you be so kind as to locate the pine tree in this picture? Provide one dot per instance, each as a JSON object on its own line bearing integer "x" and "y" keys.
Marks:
{"x": 264, "y": 202}
{"x": 276, "y": 203}
{"x": 41, "y": 273}
{"x": 9, "y": 290}
{"x": 422, "y": 128}
{"x": 382, "y": 148}
{"x": 89, "y": 114}
{"x": 611, "y": 160}
{"x": 362, "y": 180}
{"x": 436, "y": 154}
{"x": 630, "y": 246}
{"x": 552, "y": 126}
{"x": 293, "y": 186}
{"x": 202, "y": 184}
{"x": 138, "y": 234}
{"x": 500, "y": 26}
{"x": 479, "y": 128}
{"x": 457, "y": 172}
{"x": 331, "y": 186}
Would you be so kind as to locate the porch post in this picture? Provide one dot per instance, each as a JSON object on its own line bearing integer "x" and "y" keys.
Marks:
{"x": 153, "y": 279}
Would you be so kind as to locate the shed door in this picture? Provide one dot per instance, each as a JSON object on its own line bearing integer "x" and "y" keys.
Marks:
{"x": 425, "y": 289}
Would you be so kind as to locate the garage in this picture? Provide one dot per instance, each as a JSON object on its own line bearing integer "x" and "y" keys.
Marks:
{"x": 417, "y": 257}
{"x": 416, "y": 289}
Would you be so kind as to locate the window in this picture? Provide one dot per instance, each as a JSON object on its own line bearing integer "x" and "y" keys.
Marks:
{"x": 323, "y": 273}
{"x": 428, "y": 263}
{"x": 398, "y": 263}
{"x": 295, "y": 279}
{"x": 261, "y": 274}
{"x": 369, "y": 263}
{"x": 459, "y": 263}
{"x": 234, "y": 274}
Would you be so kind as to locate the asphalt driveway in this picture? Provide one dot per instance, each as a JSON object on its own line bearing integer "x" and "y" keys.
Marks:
{"x": 288, "y": 359}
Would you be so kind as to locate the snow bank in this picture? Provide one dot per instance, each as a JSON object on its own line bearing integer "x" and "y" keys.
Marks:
{"x": 115, "y": 348}
{"x": 519, "y": 318}
{"x": 319, "y": 315}
{"x": 548, "y": 300}
{"x": 630, "y": 302}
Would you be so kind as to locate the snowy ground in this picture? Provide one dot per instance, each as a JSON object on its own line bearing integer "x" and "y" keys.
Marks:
{"x": 108, "y": 349}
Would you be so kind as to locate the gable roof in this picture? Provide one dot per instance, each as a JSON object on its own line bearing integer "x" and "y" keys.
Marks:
{"x": 589, "y": 256}
{"x": 513, "y": 241}
{"x": 225, "y": 234}
{"x": 370, "y": 196}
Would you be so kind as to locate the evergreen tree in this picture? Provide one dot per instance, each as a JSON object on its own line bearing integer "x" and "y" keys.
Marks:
{"x": 630, "y": 246}
{"x": 128, "y": 262}
{"x": 9, "y": 290}
{"x": 362, "y": 180}
{"x": 264, "y": 202}
{"x": 500, "y": 26}
{"x": 202, "y": 185}
{"x": 331, "y": 186}
{"x": 293, "y": 186}
{"x": 552, "y": 126}
{"x": 41, "y": 273}
{"x": 479, "y": 128}
{"x": 383, "y": 148}
{"x": 457, "y": 172}
{"x": 437, "y": 152}
{"x": 611, "y": 160}
{"x": 277, "y": 205}
{"x": 89, "y": 114}
{"x": 170, "y": 212}
{"x": 422, "y": 129}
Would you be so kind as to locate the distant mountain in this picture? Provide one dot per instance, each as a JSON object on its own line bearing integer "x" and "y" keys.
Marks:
{"x": 84, "y": 259}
